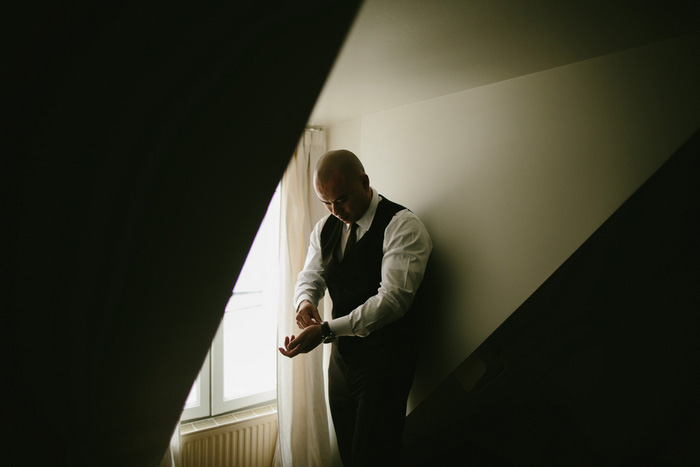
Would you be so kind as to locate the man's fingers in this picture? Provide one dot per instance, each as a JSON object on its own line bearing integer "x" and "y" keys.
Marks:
{"x": 304, "y": 320}
{"x": 290, "y": 342}
{"x": 293, "y": 344}
{"x": 290, "y": 347}
{"x": 288, "y": 353}
{"x": 307, "y": 316}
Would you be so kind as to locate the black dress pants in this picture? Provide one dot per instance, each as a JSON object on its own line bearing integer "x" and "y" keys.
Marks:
{"x": 368, "y": 395}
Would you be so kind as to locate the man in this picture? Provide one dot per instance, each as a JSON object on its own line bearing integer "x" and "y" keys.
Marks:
{"x": 370, "y": 254}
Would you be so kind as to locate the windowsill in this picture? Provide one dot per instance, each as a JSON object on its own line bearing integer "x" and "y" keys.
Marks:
{"x": 226, "y": 419}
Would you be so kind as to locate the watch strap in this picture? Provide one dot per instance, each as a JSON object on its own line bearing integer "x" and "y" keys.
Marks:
{"x": 326, "y": 333}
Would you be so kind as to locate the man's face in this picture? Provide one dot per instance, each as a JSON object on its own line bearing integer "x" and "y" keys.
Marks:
{"x": 346, "y": 198}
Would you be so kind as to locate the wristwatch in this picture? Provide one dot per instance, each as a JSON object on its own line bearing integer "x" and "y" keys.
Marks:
{"x": 326, "y": 333}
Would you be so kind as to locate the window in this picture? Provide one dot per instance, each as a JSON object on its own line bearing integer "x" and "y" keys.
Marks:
{"x": 240, "y": 369}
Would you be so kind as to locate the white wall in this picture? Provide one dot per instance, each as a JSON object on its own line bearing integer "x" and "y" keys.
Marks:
{"x": 512, "y": 177}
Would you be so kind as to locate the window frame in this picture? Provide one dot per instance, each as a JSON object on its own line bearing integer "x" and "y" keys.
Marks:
{"x": 202, "y": 386}
{"x": 220, "y": 405}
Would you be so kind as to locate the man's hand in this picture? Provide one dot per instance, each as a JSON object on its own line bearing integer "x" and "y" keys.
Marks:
{"x": 307, "y": 315}
{"x": 305, "y": 342}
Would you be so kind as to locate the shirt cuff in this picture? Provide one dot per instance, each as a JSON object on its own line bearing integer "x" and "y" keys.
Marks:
{"x": 300, "y": 299}
{"x": 341, "y": 326}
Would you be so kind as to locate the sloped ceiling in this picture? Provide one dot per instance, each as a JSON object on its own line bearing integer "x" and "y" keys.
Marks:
{"x": 403, "y": 52}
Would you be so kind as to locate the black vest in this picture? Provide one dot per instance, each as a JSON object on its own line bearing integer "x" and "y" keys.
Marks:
{"x": 356, "y": 278}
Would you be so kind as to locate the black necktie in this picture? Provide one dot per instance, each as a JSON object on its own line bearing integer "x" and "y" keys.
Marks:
{"x": 352, "y": 238}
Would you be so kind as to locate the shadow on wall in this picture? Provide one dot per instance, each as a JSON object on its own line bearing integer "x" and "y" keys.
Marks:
{"x": 600, "y": 365}
{"x": 436, "y": 316}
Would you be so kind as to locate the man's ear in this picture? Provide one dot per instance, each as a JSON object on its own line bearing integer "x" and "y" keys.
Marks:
{"x": 365, "y": 182}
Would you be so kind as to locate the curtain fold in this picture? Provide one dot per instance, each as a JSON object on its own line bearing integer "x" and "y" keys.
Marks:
{"x": 303, "y": 438}
{"x": 173, "y": 455}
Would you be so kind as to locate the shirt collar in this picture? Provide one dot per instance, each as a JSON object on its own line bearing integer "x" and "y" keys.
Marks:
{"x": 365, "y": 221}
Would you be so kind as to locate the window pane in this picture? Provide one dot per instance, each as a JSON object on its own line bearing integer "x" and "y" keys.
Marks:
{"x": 249, "y": 346}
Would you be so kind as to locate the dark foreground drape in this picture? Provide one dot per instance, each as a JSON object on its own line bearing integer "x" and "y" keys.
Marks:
{"x": 141, "y": 145}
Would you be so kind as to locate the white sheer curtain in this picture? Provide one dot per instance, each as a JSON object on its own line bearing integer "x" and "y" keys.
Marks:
{"x": 303, "y": 438}
{"x": 172, "y": 457}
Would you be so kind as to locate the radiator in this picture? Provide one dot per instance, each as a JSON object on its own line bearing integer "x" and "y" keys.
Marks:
{"x": 231, "y": 441}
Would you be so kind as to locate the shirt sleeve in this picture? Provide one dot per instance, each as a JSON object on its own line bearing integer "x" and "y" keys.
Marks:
{"x": 311, "y": 282}
{"x": 407, "y": 247}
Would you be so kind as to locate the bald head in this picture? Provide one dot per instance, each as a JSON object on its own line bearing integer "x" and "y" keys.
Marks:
{"x": 342, "y": 185}
{"x": 342, "y": 161}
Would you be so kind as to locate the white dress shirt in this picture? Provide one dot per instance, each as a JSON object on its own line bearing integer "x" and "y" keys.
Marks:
{"x": 406, "y": 247}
